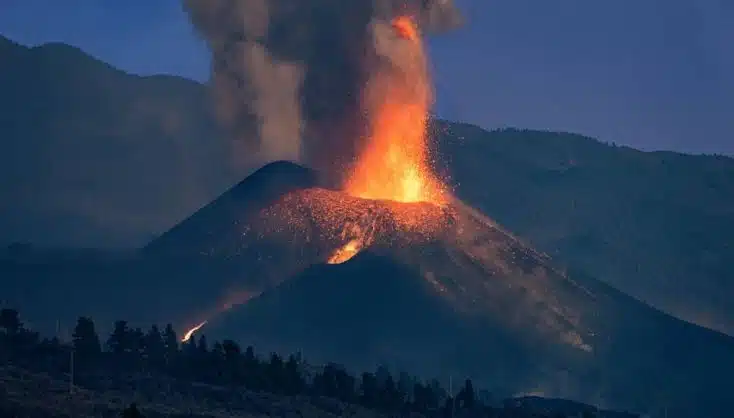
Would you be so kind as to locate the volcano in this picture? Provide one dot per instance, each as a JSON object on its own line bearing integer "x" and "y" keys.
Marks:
{"x": 440, "y": 291}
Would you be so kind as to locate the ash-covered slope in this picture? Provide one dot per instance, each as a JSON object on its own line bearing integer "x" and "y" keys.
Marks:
{"x": 216, "y": 227}
{"x": 175, "y": 278}
{"x": 379, "y": 309}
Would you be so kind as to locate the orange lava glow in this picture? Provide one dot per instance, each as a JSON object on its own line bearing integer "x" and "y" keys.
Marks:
{"x": 187, "y": 336}
{"x": 395, "y": 162}
{"x": 346, "y": 252}
{"x": 405, "y": 28}
{"x": 232, "y": 300}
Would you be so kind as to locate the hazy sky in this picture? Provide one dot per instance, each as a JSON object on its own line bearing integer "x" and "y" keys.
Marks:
{"x": 654, "y": 74}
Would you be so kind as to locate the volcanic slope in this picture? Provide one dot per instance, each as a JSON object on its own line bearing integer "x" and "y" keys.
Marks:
{"x": 174, "y": 279}
{"x": 214, "y": 228}
{"x": 656, "y": 225}
{"x": 451, "y": 292}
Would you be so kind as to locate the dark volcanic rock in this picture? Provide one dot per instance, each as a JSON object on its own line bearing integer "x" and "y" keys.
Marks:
{"x": 215, "y": 228}
{"x": 470, "y": 299}
{"x": 467, "y": 298}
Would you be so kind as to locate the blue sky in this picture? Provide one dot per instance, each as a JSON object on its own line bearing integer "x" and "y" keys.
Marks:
{"x": 653, "y": 74}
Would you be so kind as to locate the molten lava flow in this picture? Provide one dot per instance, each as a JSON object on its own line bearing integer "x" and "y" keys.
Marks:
{"x": 358, "y": 236}
{"x": 187, "y": 336}
{"x": 234, "y": 299}
{"x": 346, "y": 252}
{"x": 395, "y": 163}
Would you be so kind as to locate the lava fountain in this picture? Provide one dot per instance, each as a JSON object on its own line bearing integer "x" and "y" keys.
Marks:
{"x": 395, "y": 163}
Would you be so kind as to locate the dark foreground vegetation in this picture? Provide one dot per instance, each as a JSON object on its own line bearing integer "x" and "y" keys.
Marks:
{"x": 199, "y": 379}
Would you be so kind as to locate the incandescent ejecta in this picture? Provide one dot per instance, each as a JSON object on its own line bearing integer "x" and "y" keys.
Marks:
{"x": 289, "y": 77}
{"x": 343, "y": 87}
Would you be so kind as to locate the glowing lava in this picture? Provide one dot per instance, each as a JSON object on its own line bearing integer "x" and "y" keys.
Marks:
{"x": 346, "y": 252}
{"x": 405, "y": 27}
{"x": 187, "y": 336}
{"x": 395, "y": 163}
{"x": 232, "y": 300}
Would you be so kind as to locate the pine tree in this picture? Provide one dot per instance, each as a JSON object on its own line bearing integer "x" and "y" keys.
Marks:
{"x": 345, "y": 384}
{"x": 324, "y": 383}
{"x": 189, "y": 349}
{"x": 221, "y": 373}
{"x": 294, "y": 382}
{"x": 232, "y": 361}
{"x": 202, "y": 347}
{"x": 250, "y": 358}
{"x": 275, "y": 373}
{"x": 232, "y": 351}
{"x": 10, "y": 321}
{"x": 251, "y": 369}
{"x": 467, "y": 398}
{"x": 405, "y": 386}
{"x": 389, "y": 395}
{"x": 154, "y": 348}
{"x": 421, "y": 397}
{"x": 119, "y": 342}
{"x": 369, "y": 390}
{"x": 137, "y": 343}
{"x": 170, "y": 345}
{"x": 85, "y": 340}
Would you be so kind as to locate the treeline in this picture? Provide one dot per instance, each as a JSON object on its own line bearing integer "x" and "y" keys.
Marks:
{"x": 225, "y": 363}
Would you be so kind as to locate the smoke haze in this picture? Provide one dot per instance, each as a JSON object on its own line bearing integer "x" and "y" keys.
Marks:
{"x": 287, "y": 75}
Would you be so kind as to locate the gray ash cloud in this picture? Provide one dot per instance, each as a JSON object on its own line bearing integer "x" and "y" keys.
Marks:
{"x": 287, "y": 74}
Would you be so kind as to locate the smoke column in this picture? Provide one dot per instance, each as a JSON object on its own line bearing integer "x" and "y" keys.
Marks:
{"x": 287, "y": 75}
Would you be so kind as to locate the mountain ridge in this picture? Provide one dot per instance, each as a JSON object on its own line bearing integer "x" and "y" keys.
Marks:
{"x": 116, "y": 163}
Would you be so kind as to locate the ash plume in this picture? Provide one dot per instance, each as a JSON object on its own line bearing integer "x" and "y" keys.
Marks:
{"x": 287, "y": 75}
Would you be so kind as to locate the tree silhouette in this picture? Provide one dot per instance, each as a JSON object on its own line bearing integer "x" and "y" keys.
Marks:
{"x": 275, "y": 374}
{"x": 170, "y": 345}
{"x": 369, "y": 391}
{"x": 424, "y": 398}
{"x": 294, "y": 382}
{"x": 391, "y": 398}
{"x": 467, "y": 398}
{"x": 189, "y": 348}
{"x": 154, "y": 349}
{"x": 225, "y": 364}
{"x": 252, "y": 370}
{"x": 405, "y": 386}
{"x": 10, "y": 322}
{"x": 345, "y": 384}
{"x": 137, "y": 343}
{"x": 202, "y": 348}
{"x": 119, "y": 343}
{"x": 85, "y": 340}
{"x": 231, "y": 361}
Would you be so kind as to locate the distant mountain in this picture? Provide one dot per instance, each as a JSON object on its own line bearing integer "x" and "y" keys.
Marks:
{"x": 657, "y": 225}
{"x": 92, "y": 156}
{"x": 98, "y": 158}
